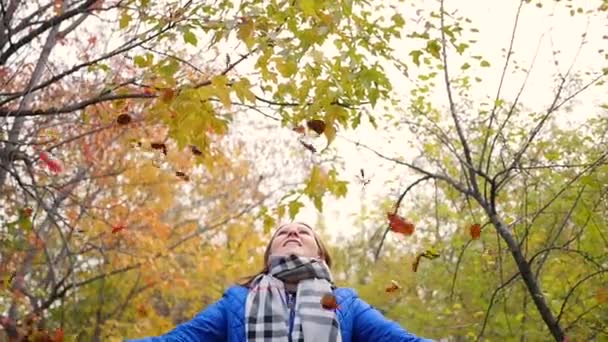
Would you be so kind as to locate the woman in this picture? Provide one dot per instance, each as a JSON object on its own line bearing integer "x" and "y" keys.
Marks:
{"x": 292, "y": 299}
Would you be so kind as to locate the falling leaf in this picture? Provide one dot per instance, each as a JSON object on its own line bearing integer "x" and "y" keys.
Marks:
{"x": 329, "y": 302}
{"x": 393, "y": 287}
{"x": 58, "y": 335}
{"x": 27, "y": 212}
{"x": 142, "y": 311}
{"x": 308, "y": 147}
{"x": 167, "y": 95}
{"x": 182, "y": 175}
{"x": 316, "y": 125}
{"x": 195, "y": 150}
{"x": 475, "y": 231}
{"x": 123, "y": 119}
{"x": 117, "y": 228}
{"x": 601, "y": 294}
{"x": 92, "y": 40}
{"x": 53, "y": 165}
{"x": 299, "y": 129}
{"x": 400, "y": 225}
{"x": 159, "y": 146}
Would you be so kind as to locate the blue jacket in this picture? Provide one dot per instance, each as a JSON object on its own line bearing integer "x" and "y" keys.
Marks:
{"x": 224, "y": 321}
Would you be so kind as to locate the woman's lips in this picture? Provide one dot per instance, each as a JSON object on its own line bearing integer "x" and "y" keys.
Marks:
{"x": 292, "y": 241}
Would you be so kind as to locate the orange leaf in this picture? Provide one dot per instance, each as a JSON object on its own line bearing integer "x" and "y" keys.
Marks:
{"x": 400, "y": 225}
{"x": 117, "y": 228}
{"x": 167, "y": 95}
{"x": 329, "y": 302}
{"x": 601, "y": 294}
{"x": 58, "y": 335}
{"x": 299, "y": 129}
{"x": 475, "y": 231}
{"x": 393, "y": 287}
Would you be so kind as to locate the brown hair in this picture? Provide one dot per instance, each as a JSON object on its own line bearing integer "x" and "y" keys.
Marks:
{"x": 322, "y": 251}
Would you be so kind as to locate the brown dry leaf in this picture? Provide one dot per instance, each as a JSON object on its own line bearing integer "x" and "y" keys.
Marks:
{"x": 316, "y": 125}
{"x": 123, "y": 119}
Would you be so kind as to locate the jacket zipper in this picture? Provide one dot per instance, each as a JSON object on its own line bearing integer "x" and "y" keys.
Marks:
{"x": 291, "y": 304}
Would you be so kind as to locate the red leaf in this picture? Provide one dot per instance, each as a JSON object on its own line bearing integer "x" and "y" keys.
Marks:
{"x": 58, "y": 335}
{"x": 400, "y": 225}
{"x": 53, "y": 165}
{"x": 27, "y": 212}
{"x": 475, "y": 231}
{"x": 299, "y": 129}
{"x": 329, "y": 302}
{"x": 117, "y": 228}
{"x": 167, "y": 95}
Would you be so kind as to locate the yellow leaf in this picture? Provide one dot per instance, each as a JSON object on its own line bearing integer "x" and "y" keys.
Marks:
{"x": 222, "y": 91}
{"x": 245, "y": 32}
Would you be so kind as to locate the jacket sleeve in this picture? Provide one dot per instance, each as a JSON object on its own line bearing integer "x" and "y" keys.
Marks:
{"x": 210, "y": 325}
{"x": 371, "y": 325}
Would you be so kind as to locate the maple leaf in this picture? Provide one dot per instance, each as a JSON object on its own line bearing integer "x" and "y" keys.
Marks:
{"x": 601, "y": 294}
{"x": 195, "y": 150}
{"x": 167, "y": 95}
{"x": 117, "y": 228}
{"x": 475, "y": 231}
{"x": 329, "y": 302}
{"x": 299, "y": 129}
{"x": 316, "y": 125}
{"x": 123, "y": 119}
{"x": 400, "y": 225}
{"x": 159, "y": 146}
{"x": 27, "y": 212}
{"x": 393, "y": 287}
{"x": 53, "y": 165}
{"x": 182, "y": 175}
{"x": 58, "y": 337}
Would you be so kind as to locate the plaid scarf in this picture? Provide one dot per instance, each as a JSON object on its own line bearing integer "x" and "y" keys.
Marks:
{"x": 266, "y": 311}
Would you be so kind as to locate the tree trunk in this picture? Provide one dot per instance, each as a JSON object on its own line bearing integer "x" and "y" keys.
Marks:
{"x": 531, "y": 282}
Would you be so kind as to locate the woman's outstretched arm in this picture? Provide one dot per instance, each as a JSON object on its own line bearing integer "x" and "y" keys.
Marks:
{"x": 371, "y": 325}
{"x": 208, "y": 325}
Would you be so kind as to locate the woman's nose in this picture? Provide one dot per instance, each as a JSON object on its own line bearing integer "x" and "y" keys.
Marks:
{"x": 293, "y": 231}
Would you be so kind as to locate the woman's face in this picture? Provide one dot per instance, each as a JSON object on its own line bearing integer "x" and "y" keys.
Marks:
{"x": 295, "y": 238}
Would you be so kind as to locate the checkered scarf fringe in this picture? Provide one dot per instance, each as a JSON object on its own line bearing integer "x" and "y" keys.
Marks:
{"x": 267, "y": 314}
